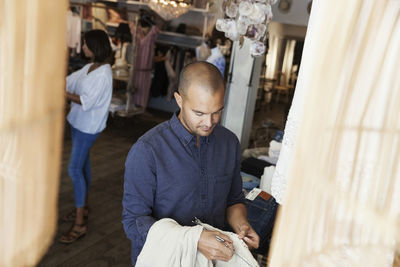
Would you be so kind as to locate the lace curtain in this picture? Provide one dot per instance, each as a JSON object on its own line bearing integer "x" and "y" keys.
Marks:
{"x": 341, "y": 150}
{"x": 32, "y": 81}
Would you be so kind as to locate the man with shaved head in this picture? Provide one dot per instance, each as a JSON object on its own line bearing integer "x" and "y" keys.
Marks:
{"x": 188, "y": 167}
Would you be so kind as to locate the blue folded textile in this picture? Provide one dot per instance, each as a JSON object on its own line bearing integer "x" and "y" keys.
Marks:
{"x": 249, "y": 181}
{"x": 278, "y": 136}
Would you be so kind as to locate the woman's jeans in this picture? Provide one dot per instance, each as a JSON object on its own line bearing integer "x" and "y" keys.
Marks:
{"x": 79, "y": 164}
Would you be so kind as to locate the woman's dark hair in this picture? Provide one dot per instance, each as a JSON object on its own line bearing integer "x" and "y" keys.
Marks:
{"x": 212, "y": 41}
{"x": 99, "y": 43}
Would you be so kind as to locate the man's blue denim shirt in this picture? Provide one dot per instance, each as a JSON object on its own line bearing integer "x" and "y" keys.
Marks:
{"x": 167, "y": 176}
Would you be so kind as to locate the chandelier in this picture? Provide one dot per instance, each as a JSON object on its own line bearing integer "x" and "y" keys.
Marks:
{"x": 169, "y": 9}
{"x": 247, "y": 19}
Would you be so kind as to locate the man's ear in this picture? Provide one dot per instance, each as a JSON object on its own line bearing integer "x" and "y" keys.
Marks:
{"x": 178, "y": 99}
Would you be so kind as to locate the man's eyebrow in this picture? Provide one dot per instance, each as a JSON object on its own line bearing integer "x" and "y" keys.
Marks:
{"x": 219, "y": 109}
{"x": 198, "y": 111}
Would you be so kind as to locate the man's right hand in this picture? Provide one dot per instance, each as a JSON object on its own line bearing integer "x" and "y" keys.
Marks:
{"x": 213, "y": 249}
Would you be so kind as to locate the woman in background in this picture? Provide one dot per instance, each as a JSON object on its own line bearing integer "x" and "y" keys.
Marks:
{"x": 89, "y": 90}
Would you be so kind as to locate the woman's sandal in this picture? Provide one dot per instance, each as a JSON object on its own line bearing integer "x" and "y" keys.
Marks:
{"x": 73, "y": 234}
{"x": 70, "y": 216}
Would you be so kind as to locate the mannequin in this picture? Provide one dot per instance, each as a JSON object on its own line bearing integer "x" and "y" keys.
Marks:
{"x": 120, "y": 67}
{"x": 124, "y": 39}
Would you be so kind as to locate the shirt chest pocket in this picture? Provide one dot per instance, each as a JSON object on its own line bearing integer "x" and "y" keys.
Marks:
{"x": 222, "y": 185}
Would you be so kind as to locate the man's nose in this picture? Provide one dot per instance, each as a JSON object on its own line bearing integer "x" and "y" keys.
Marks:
{"x": 208, "y": 121}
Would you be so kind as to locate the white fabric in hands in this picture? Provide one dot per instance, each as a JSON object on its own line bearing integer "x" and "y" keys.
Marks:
{"x": 169, "y": 244}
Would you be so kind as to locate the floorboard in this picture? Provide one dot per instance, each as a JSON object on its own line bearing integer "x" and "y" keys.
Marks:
{"x": 105, "y": 244}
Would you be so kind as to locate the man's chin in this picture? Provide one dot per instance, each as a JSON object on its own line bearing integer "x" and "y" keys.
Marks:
{"x": 207, "y": 132}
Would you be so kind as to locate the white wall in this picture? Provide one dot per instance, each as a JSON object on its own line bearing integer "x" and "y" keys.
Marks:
{"x": 297, "y": 14}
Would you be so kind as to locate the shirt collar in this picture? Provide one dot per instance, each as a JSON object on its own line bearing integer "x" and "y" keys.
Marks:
{"x": 184, "y": 135}
{"x": 180, "y": 130}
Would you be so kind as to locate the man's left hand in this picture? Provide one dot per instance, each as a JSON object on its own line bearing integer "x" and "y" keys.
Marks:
{"x": 249, "y": 236}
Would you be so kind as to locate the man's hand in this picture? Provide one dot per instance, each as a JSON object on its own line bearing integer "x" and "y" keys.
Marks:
{"x": 213, "y": 249}
{"x": 248, "y": 235}
{"x": 237, "y": 218}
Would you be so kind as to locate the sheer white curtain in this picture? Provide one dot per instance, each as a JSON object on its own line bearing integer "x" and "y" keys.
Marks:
{"x": 32, "y": 81}
{"x": 341, "y": 150}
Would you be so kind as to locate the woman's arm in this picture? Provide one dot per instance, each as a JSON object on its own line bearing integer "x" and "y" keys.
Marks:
{"x": 73, "y": 97}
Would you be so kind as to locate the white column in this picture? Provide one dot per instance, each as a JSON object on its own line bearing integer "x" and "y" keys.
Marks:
{"x": 241, "y": 94}
{"x": 288, "y": 62}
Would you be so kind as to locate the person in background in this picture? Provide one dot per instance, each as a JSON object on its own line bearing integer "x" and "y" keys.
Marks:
{"x": 202, "y": 52}
{"x": 188, "y": 167}
{"x": 226, "y": 48}
{"x": 89, "y": 90}
{"x": 216, "y": 58}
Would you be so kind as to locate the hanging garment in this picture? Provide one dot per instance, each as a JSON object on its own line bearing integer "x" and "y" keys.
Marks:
{"x": 159, "y": 84}
{"x": 86, "y": 12}
{"x": 143, "y": 66}
{"x": 74, "y": 31}
{"x": 172, "y": 77}
{"x": 180, "y": 60}
{"x": 170, "y": 244}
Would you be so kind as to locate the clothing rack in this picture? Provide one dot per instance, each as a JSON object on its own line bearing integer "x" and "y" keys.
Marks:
{"x": 179, "y": 39}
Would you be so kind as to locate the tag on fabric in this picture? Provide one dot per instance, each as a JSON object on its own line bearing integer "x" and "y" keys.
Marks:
{"x": 253, "y": 194}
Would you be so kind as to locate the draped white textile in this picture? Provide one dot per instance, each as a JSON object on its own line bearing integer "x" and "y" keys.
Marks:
{"x": 341, "y": 150}
{"x": 32, "y": 83}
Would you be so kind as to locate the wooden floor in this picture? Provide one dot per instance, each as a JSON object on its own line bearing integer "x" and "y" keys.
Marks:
{"x": 105, "y": 244}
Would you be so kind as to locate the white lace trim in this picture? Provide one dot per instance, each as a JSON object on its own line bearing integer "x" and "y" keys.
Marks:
{"x": 279, "y": 179}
